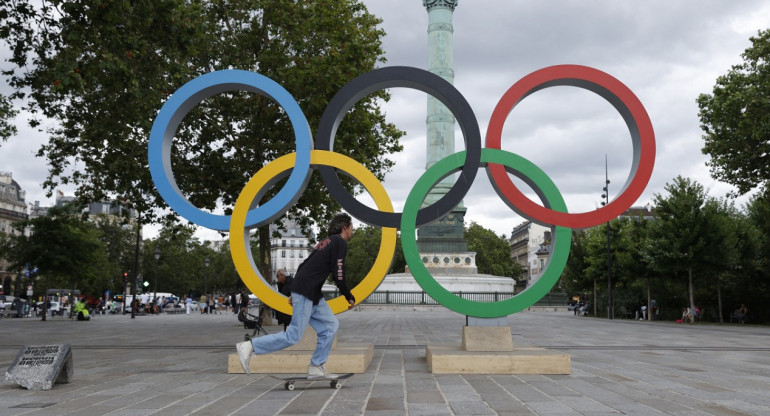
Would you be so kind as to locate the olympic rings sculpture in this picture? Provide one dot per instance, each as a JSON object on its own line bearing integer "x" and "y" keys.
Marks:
{"x": 498, "y": 163}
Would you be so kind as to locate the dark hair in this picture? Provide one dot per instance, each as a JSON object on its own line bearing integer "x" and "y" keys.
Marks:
{"x": 339, "y": 222}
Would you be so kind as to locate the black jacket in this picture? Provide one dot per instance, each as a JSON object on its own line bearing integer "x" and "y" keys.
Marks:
{"x": 328, "y": 256}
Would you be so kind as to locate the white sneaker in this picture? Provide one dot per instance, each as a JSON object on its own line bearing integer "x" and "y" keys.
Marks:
{"x": 245, "y": 350}
{"x": 319, "y": 371}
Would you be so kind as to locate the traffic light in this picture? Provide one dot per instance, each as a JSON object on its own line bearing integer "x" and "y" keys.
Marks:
{"x": 125, "y": 277}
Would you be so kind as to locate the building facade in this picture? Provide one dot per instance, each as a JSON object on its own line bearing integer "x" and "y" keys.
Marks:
{"x": 290, "y": 248}
{"x": 530, "y": 247}
{"x": 109, "y": 210}
{"x": 12, "y": 209}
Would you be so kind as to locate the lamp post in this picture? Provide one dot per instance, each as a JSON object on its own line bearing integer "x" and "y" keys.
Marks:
{"x": 155, "y": 288}
{"x": 606, "y": 200}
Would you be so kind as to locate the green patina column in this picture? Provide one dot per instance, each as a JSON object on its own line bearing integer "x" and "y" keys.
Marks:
{"x": 446, "y": 234}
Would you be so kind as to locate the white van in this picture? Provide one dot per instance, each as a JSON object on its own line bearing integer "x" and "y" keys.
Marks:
{"x": 149, "y": 296}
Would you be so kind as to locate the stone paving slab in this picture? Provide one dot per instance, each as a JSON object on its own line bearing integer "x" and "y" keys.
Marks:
{"x": 177, "y": 365}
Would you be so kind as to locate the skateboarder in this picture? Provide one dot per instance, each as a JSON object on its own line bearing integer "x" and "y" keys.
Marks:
{"x": 309, "y": 306}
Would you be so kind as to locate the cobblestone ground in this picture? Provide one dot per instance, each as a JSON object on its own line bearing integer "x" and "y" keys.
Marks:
{"x": 176, "y": 365}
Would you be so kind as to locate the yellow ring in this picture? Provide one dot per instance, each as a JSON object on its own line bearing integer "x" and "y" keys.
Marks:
{"x": 240, "y": 247}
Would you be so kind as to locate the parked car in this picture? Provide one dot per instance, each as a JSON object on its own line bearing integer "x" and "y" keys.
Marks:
{"x": 20, "y": 305}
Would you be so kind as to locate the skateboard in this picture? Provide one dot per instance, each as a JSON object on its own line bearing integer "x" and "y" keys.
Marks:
{"x": 335, "y": 382}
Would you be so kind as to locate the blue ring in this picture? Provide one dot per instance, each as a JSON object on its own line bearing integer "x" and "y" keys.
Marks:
{"x": 188, "y": 96}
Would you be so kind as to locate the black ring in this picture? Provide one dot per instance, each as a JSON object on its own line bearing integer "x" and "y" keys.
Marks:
{"x": 408, "y": 77}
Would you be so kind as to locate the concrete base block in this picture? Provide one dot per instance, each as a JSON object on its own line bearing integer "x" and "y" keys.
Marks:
{"x": 487, "y": 338}
{"x": 352, "y": 358}
{"x": 454, "y": 360}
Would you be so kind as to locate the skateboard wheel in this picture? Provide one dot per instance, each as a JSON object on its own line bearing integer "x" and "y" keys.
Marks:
{"x": 289, "y": 386}
{"x": 336, "y": 384}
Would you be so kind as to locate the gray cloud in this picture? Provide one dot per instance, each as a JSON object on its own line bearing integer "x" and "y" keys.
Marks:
{"x": 665, "y": 52}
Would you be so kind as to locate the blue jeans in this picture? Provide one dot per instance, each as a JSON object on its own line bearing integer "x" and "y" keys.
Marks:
{"x": 320, "y": 317}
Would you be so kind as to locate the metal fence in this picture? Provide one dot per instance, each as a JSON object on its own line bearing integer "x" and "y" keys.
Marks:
{"x": 422, "y": 298}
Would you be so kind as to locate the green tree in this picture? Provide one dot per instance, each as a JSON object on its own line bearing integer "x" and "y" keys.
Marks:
{"x": 751, "y": 277}
{"x": 181, "y": 266}
{"x": 574, "y": 276}
{"x": 735, "y": 119}
{"x": 102, "y": 70}
{"x": 493, "y": 253}
{"x": 683, "y": 238}
{"x": 362, "y": 252}
{"x": 7, "y": 112}
{"x": 634, "y": 269}
{"x": 118, "y": 240}
{"x": 64, "y": 247}
{"x": 596, "y": 261}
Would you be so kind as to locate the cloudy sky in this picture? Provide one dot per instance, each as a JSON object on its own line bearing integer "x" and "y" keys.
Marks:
{"x": 666, "y": 52}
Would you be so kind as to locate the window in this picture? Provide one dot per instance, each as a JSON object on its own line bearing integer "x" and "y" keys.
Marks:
{"x": 301, "y": 254}
{"x": 291, "y": 254}
{"x": 283, "y": 243}
{"x": 283, "y": 253}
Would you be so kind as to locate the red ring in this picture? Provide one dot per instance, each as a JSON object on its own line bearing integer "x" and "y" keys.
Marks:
{"x": 612, "y": 90}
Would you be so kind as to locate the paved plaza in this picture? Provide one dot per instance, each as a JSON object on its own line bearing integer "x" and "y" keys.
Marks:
{"x": 177, "y": 365}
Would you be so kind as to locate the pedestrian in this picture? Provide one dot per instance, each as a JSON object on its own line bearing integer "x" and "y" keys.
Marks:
{"x": 188, "y": 304}
{"x": 245, "y": 300}
{"x": 284, "y": 287}
{"x": 309, "y": 305}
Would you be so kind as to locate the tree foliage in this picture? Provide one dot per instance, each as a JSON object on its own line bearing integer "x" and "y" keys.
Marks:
{"x": 735, "y": 120}
{"x": 65, "y": 249}
{"x": 181, "y": 267}
{"x": 7, "y": 112}
{"x": 493, "y": 253}
{"x": 102, "y": 70}
{"x": 362, "y": 252}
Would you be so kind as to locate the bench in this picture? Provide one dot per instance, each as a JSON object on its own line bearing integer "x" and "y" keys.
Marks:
{"x": 625, "y": 313}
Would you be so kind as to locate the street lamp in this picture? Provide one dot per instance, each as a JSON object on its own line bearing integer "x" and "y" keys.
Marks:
{"x": 606, "y": 200}
{"x": 157, "y": 259}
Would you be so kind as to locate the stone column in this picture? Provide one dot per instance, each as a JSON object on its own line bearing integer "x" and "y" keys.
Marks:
{"x": 440, "y": 121}
{"x": 442, "y": 239}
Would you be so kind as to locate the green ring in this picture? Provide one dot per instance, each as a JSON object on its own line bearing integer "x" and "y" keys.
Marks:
{"x": 516, "y": 165}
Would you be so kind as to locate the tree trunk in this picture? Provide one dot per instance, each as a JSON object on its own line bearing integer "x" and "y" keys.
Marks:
{"x": 265, "y": 266}
{"x": 45, "y": 300}
{"x": 649, "y": 300}
{"x": 719, "y": 299}
{"x": 594, "y": 298}
{"x": 690, "y": 289}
